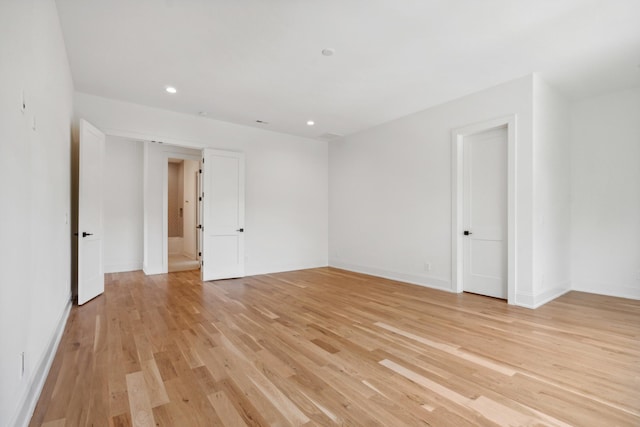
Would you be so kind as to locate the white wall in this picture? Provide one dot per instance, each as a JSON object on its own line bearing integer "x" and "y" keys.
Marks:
{"x": 122, "y": 244}
{"x": 552, "y": 195}
{"x": 174, "y": 199}
{"x": 190, "y": 204}
{"x": 605, "y": 183}
{"x": 35, "y": 235}
{"x": 286, "y": 177}
{"x": 390, "y": 189}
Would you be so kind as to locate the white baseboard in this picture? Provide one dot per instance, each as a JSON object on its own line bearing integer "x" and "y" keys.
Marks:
{"x": 32, "y": 394}
{"x": 529, "y": 300}
{"x": 608, "y": 289}
{"x": 121, "y": 268}
{"x": 426, "y": 281}
{"x": 151, "y": 271}
{"x": 254, "y": 270}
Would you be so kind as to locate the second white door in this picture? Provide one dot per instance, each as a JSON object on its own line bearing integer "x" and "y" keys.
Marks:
{"x": 485, "y": 213}
{"x": 222, "y": 215}
{"x": 90, "y": 189}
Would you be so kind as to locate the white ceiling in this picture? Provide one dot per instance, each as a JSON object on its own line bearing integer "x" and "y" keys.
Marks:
{"x": 248, "y": 60}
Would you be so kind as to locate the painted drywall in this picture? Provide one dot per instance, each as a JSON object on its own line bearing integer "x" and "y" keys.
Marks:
{"x": 122, "y": 207}
{"x": 174, "y": 201}
{"x": 605, "y": 182}
{"x": 552, "y": 194}
{"x": 175, "y": 245}
{"x": 190, "y": 203}
{"x": 35, "y": 234}
{"x": 286, "y": 178}
{"x": 390, "y": 189}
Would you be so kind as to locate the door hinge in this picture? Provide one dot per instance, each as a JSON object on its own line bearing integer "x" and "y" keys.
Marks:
{"x": 199, "y": 253}
{"x": 199, "y": 170}
{"x": 199, "y": 199}
{"x": 203, "y": 160}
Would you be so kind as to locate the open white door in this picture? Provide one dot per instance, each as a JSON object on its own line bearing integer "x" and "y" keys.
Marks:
{"x": 90, "y": 187}
{"x": 485, "y": 213}
{"x": 222, "y": 215}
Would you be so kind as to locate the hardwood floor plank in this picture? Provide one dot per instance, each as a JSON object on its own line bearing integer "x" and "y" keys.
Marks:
{"x": 155, "y": 386}
{"x": 141, "y": 413}
{"x": 330, "y": 347}
{"x": 225, "y": 410}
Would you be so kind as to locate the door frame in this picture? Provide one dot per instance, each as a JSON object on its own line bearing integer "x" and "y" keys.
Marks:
{"x": 457, "y": 194}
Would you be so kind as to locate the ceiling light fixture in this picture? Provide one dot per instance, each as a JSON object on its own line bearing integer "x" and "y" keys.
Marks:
{"x": 171, "y": 89}
{"x": 328, "y": 51}
{"x": 310, "y": 122}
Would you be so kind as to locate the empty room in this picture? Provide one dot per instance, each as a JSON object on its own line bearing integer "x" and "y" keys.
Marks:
{"x": 301, "y": 213}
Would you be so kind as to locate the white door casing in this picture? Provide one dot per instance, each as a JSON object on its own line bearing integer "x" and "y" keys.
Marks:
{"x": 457, "y": 229}
{"x": 90, "y": 196}
{"x": 222, "y": 215}
{"x": 485, "y": 213}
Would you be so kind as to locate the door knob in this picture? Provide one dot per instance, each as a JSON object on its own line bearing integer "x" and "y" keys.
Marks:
{"x": 85, "y": 234}
{"x": 466, "y": 232}
{"x": 241, "y": 230}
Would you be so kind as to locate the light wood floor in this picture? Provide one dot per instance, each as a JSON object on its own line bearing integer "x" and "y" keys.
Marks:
{"x": 325, "y": 347}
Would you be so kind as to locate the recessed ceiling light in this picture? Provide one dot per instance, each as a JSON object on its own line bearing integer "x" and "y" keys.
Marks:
{"x": 171, "y": 89}
{"x": 311, "y": 122}
{"x": 328, "y": 51}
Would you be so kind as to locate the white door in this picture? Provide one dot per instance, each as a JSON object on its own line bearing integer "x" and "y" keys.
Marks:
{"x": 90, "y": 270}
{"x": 485, "y": 213}
{"x": 222, "y": 215}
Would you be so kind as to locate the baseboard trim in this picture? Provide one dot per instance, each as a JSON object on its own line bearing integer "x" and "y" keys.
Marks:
{"x": 608, "y": 290}
{"x": 528, "y": 300}
{"x": 425, "y": 281}
{"x": 30, "y": 399}
{"x": 255, "y": 270}
{"x": 121, "y": 268}
{"x": 150, "y": 272}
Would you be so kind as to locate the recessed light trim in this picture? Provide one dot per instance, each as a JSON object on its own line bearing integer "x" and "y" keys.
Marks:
{"x": 171, "y": 89}
{"x": 310, "y": 123}
{"x": 328, "y": 51}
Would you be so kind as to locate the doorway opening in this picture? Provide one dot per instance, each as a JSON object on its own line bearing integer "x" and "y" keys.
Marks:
{"x": 182, "y": 215}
